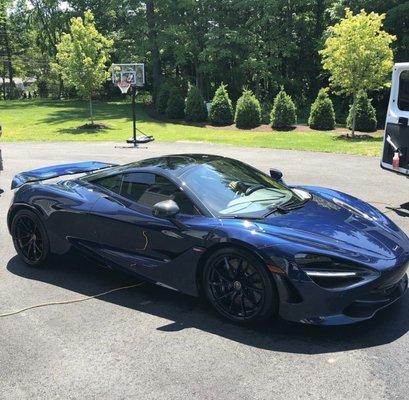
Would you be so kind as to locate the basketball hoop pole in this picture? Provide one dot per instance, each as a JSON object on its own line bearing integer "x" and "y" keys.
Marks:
{"x": 134, "y": 115}
{"x": 131, "y": 76}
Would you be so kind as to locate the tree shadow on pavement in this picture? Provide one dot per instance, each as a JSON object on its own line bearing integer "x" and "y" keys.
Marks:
{"x": 186, "y": 312}
{"x": 402, "y": 210}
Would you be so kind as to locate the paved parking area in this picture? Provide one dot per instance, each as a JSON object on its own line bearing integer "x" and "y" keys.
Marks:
{"x": 152, "y": 343}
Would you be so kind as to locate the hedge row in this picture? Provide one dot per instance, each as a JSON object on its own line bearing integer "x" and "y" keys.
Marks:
{"x": 250, "y": 114}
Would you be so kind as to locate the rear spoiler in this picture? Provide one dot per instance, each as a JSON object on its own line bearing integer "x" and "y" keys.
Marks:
{"x": 55, "y": 171}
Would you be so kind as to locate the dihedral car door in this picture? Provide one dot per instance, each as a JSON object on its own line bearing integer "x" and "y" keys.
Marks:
{"x": 395, "y": 156}
{"x": 124, "y": 224}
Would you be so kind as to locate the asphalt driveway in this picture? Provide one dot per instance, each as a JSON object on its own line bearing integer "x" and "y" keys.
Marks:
{"x": 153, "y": 343}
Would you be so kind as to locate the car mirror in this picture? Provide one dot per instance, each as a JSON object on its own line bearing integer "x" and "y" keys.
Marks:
{"x": 165, "y": 209}
{"x": 276, "y": 174}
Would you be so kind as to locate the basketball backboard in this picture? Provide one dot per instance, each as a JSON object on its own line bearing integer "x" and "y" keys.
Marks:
{"x": 126, "y": 75}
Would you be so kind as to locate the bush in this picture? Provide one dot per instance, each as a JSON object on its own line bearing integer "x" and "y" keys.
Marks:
{"x": 221, "y": 112}
{"x": 365, "y": 114}
{"x": 163, "y": 97}
{"x": 175, "y": 108}
{"x": 265, "y": 112}
{"x": 284, "y": 114}
{"x": 42, "y": 87}
{"x": 195, "y": 109}
{"x": 248, "y": 111}
{"x": 322, "y": 115}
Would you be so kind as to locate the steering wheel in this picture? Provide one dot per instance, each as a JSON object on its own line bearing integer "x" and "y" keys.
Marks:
{"x": 252, "y": 189}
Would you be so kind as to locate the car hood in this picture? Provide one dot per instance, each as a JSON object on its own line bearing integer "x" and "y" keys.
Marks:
{"x": 335, "y": 222}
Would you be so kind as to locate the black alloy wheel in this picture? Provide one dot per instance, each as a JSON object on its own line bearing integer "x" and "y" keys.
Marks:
{"x": 238, "y": 286}
{"x": 30, "y": 238}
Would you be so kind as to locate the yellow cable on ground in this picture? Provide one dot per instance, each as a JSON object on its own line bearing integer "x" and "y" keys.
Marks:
{"x": 52, "y": 303}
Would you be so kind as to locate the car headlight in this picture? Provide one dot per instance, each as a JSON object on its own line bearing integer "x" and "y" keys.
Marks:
{"x": 332, "y": 273}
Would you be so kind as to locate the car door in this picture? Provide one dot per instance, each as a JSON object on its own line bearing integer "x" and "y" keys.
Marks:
{"x": 131, "y": 237}
{"x": 395, "y": 155}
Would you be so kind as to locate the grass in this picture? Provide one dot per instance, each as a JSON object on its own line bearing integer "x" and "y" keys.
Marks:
{"x": 46, "y": 120}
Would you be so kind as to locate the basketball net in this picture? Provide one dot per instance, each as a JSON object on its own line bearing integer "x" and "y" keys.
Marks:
{"x": 124, "y": 86}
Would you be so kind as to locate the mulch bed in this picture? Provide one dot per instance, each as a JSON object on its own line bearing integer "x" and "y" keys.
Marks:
{"x": 262, "y": 128}
{"x": 93, "y": 126}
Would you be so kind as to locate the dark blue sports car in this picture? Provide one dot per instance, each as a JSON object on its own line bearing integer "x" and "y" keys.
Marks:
{"x": 213, "y": 226}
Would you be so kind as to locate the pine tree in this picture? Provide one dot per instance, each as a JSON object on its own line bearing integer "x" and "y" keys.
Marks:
{"x": 175, "y": 108}
{"x": 283, "y": 114}
{"x": 195, "y": 109}
{"x": 162, "y": 98}
{"x": 248, "y": 111}
{"x": 322, "y": 115}
{"x": 365, "y": 120}
{"x": 221, "y": 112}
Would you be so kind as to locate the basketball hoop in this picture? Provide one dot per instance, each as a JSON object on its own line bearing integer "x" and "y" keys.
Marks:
{"x": 125, "y": 76}
{"x": 123, "y": 86}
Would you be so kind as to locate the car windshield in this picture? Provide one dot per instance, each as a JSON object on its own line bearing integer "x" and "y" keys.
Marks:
{"x": 229, "y": 188}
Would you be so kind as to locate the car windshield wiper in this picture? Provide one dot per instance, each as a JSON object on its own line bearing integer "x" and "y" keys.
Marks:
{"x": 281, "y": 209}
{"x": 236, "y": 216}
{"x": 286, "y": 207}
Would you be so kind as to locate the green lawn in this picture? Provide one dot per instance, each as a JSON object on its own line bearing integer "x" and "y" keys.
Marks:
{"x": 46, "y": 120}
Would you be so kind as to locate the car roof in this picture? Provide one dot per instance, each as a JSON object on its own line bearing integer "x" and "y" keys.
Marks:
{"x": 174, "y": 164}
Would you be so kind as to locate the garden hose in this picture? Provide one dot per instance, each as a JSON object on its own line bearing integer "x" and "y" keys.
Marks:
{"x": 52, "y": 303}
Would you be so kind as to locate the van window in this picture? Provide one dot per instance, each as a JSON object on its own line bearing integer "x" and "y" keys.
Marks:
{"x": 403, "y": 97}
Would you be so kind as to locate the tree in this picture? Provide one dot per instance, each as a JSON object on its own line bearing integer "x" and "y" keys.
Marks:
{"x": 176, "y": 105}
{"x": 365, "y": 120}
{"x": 82, "y": 56}
{"x": 163, "y": 97}
{"x": 195, "y": 109}
{"x": 248, "y": 111}
{"x": 6, "y": 47}
{"x": 322, "y": 115}
{"x": 48, "y": 20}
{"x": 358, "y": 55}
{"x": 397, "y": 23}
{"x": 152, "y": 33}
{"x": 221, "y": 112}
{"x": 284, "y": 113}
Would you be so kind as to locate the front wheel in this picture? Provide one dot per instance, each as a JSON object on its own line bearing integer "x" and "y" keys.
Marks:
{"x": 30, "y": 238}
{"x": 238, "y": 286}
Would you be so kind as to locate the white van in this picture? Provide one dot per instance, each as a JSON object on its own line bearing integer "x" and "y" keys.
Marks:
{"x": 395, "y": 154}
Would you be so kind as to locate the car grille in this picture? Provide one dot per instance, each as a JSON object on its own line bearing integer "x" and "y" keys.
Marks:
{"x": 378, "y": 298}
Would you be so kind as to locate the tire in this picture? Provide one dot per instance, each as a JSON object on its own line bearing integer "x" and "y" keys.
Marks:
{"x": 30, "y": 238}
{"x": 238, "y": 286}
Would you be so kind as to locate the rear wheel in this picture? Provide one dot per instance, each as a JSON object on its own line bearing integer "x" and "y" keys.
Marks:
{"x": 30, "y": 238}
{"x": 238, "y": 286}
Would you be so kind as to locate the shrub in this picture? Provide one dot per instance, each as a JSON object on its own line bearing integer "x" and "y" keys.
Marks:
{"x": 163, "y": 97}
{"x": 248, "y": 111}
{"x": 283, "y": 114}
{"x": 322, "y": 115}
{"x": 175, "y": 108}
{"x": 221, "y": 112}
{"x": 42, "y": 87}
{"x": 265, "y": 112}
{"x": 195, "y": 109}
{"x": 365, "y": 114}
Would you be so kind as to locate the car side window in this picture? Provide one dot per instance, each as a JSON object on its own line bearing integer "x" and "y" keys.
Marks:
{"x": 112, "y": 183}
{"x": 148, "y": 189}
